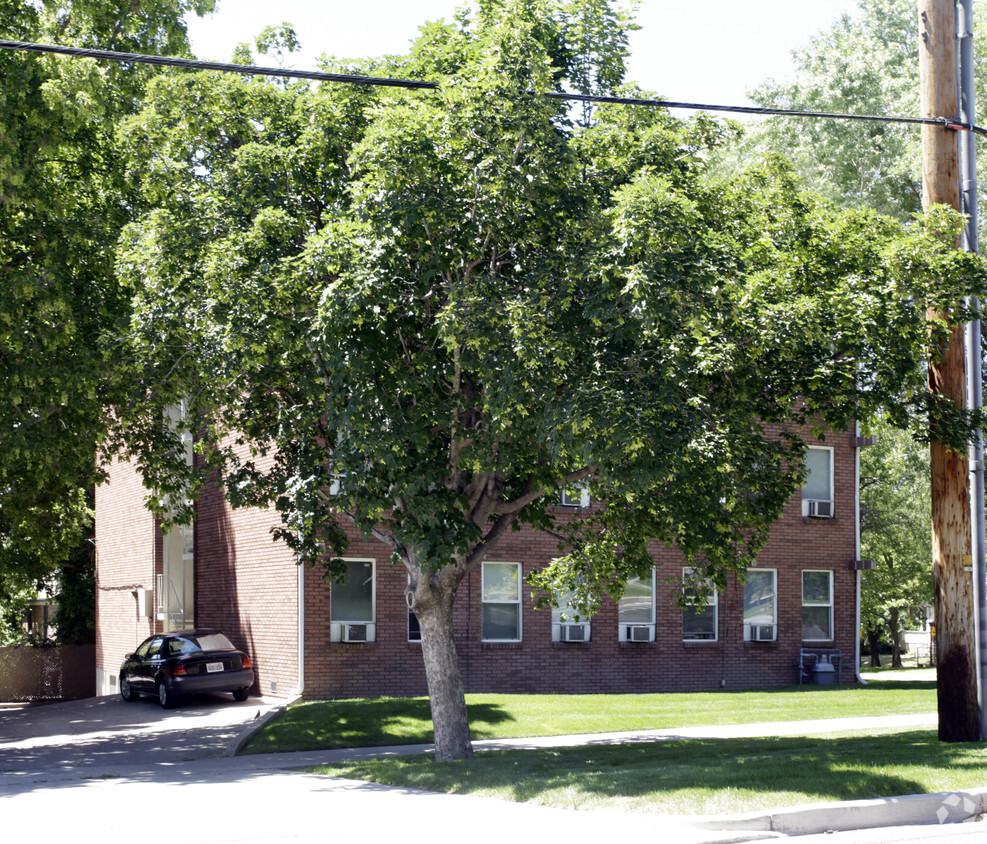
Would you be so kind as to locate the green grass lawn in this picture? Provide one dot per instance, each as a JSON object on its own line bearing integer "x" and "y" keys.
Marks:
{"x": 383, "y": 721}
{"x": 696, "y": 777}
{"x": 673, "y": 777}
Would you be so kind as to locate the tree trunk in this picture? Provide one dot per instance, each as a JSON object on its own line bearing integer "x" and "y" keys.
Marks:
{"x": 959, "y": 709}
{"x": 874, "y": 646}
{"x": 894, "y": 626}
{"x": 432, "y": 602}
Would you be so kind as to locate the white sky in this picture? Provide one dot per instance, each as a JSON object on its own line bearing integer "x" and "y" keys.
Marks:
{"x": 709, "y": 51}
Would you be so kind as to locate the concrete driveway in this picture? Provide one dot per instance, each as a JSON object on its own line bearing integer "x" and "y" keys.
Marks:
{"x": 93, "y": 737}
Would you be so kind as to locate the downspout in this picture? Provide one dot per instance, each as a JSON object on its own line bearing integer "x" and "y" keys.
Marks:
{"x": 300, "y": 688}
{"x": 856, "y": 552}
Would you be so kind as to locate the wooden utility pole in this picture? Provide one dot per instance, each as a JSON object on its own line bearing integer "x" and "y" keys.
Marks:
{"x": 959, "y": 709}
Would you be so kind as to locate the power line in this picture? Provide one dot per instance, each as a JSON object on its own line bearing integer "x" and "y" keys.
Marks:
{"x": 195, "y": 64}
{"x": 383, "y": 81}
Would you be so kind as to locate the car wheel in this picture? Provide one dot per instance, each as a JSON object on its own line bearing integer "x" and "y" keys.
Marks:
{"x": 240, "y": 695}
{"x": 127, "y": 691}
{"x": 165, "y": 696}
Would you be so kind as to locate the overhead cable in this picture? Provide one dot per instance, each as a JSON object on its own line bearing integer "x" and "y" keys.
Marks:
{"x": 383, "y": 81}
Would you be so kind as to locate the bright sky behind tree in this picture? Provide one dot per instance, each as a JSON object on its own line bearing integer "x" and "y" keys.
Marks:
{"x": 711, "y": 51}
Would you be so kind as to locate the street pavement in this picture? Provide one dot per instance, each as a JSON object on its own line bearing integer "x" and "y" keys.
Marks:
{"x": 117, "y": 767}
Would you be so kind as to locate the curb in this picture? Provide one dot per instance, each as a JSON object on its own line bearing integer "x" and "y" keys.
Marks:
{"x": 913, "y": 809}
{"x": 240, "y": 741}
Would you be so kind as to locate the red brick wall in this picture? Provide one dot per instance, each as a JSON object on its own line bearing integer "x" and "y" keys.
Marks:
{"x": 392, "y": 665}
{"x": 246, "y": 584}
{"x": 127, "y": 559}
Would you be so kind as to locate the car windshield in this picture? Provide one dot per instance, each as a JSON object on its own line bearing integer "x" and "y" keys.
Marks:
{"x": 214, "y": 642}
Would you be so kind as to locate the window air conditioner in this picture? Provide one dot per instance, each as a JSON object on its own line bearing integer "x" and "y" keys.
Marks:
{"x": 815, "y": 508}
{"x": 356, "y": 633}
{"x": 763, "y": 632}
{"x": 575, "y": 632}
{"x": 639, "y": 633}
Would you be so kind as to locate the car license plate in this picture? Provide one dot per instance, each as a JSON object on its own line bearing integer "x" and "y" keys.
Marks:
{"x": 213, "y": 667}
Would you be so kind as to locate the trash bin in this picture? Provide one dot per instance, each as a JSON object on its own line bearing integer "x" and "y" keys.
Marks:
{"x": 823, "y": 672}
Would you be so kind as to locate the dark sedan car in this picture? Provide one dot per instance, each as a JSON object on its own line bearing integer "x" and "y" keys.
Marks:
{"x": 185, "y": 662}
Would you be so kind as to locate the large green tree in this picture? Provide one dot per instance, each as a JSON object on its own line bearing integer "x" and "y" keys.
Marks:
{"x": 895, "y": 531}
{"x": 458, "y": 302}
{"x": 63, "y": 202}
{"x": 865, "y": 63}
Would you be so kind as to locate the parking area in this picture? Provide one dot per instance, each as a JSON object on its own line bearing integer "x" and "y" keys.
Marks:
{"x": 93, "y": 736}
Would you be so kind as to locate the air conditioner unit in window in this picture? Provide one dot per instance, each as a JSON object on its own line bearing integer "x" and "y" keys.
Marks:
{"x": 575, "y": 632}
{"x": 818, "y": 509}
{"x": 357, "y": 633}
{"x": 639, "y": 633}
{"x": 763, "y": 632}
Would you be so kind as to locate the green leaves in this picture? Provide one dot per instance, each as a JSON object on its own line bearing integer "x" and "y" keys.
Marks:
{"x": 895, "y": 521}
{"x": 424, "y": 313}
{"x": 62, "y": 205}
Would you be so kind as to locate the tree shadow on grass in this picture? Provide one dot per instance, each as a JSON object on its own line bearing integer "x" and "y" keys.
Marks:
{"x": 694, "y": 777}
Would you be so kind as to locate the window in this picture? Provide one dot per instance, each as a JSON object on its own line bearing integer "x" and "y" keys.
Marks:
{"x": 565, "y": 626}
{"x": 501, "y": 602}
{"x": 636, "y": 610}
{"x": 414, "y": 628}
{"x": 575, "y": 496}
{"x": 145, "y": 649}
{"x": 761, "y": 605}
{"x": 817, "y": 605}
{"x": 352, "y": 602}
{"x": 699, "y": 618}
{"x": 817, "y": 492}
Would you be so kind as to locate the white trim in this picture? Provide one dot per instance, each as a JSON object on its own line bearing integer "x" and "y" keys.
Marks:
{"x": 821, "y": 508}
{"x": 630, "y": 631}
{"x": 828, "y": 605}
{"x": 503, "y": 602}
{"x": 748, "y": 634}
{"x": 300, "y": 685}
{"x": 568, "y": 499}
{"x": 563, "y": 631}
{"x": 712, "y": 600}
{"x": 337, "y": 626}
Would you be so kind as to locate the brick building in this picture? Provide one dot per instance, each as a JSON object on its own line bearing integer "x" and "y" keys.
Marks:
{"x": 358, "y": 639}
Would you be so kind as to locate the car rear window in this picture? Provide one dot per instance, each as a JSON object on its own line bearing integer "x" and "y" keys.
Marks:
{"x": 215, "y": 642}
{"x": 182, "y": 646}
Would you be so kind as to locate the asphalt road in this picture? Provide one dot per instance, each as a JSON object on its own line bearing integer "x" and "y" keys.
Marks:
{"x": 96, "y": 736}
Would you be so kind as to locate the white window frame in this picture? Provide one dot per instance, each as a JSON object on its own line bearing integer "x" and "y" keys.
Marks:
{"x": 338, "y": 627}
{"x": 816, "y": 604}
{"x": 817, "y": 507}
{"x": 574, "y": 496}
{"x": 712, "y": 600}
{"x": 559, "y": 632}
{"x": 500, "y": 601}
{"x": 624, "y": 628}
{"x": 748, "y": 625}
{"x": 411, "y": 638}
